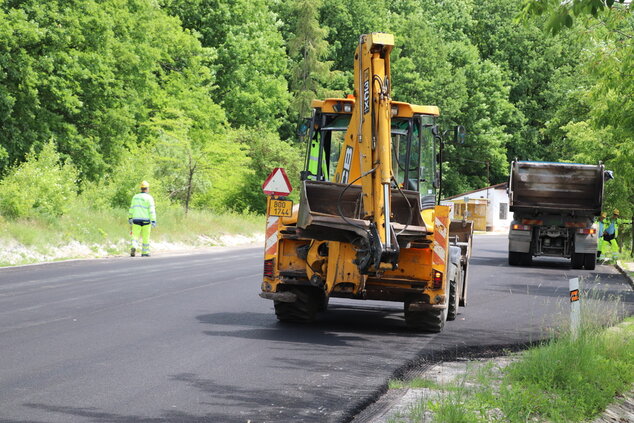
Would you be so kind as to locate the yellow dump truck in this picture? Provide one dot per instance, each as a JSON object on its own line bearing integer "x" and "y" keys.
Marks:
{"x": 368, "y": 225}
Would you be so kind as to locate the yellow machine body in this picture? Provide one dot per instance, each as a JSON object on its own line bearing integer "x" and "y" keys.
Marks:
{"x": 367, "y": 225}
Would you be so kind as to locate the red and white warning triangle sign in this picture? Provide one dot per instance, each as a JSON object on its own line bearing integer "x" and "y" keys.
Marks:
{"x": 277, "y": 183}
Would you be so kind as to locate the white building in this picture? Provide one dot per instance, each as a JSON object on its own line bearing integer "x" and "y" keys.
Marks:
{"x": 487, "y": 207}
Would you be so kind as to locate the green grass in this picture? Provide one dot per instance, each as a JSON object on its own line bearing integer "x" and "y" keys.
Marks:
{"x": 106, "y": 232}
{"x": 570, "y": 379}
{"x": 566, "y": 379}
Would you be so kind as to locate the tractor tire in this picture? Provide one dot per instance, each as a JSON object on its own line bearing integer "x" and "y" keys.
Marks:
{"x": 577, "y": 260}
{"x": 515, "y": 258}
{"x": 589, "y": 261}
{"x": 425, "y": 320}
{"x": 452, "y": 310}
{"x": 304, "y": 309}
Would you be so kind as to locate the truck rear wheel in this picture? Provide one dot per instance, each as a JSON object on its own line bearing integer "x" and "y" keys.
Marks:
{"x": 577, "y": 260}
{"x": 589, "y": 261}
{"x": 520, "y": 259}
{"x": 309, "y": 301}
{"x": 515, "y": 258}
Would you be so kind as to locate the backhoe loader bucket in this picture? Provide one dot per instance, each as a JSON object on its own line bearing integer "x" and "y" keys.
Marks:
{"x": 334, "y": 212}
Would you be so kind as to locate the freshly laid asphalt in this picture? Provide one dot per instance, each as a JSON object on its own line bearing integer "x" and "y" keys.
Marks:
{"x": 187, "y": 339}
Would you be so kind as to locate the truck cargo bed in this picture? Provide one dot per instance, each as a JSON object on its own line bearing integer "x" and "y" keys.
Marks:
{"x": 556, "y": 188}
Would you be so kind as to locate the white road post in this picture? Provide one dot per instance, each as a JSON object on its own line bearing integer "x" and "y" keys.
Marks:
{"x": 575, "y": 307}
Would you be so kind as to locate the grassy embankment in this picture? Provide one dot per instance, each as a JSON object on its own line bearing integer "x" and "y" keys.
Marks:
{"x": 89, "y": 233}
{"x": 565, "y": 379}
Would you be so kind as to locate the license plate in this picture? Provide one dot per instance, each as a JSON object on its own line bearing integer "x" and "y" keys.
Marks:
{"x": 281, "y": 208}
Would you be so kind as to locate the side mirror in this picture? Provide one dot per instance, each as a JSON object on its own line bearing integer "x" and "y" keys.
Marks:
{"x": 436, "y": 183}
{"x": 607, "y": 175}
{"x": 459, "y": 134}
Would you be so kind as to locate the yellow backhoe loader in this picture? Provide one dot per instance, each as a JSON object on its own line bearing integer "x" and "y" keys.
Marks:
{"x": 367, "y": 225}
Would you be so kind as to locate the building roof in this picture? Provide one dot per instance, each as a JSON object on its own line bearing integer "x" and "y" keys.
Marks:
{"x": 503, "y": 185}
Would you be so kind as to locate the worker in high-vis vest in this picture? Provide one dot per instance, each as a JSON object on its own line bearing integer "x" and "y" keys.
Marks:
{"x": 611, "y": 233}
{"x": 142, "y": 217}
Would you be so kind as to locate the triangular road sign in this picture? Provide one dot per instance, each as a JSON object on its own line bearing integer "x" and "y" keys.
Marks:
{"x": 277, "y": 183}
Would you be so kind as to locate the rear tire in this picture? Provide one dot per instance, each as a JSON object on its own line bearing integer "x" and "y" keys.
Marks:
{"x": 304, "y": 309}
{"x": 515, "y": 258}
{"x": 577, "y": 260}
{"x": 590, "y": 261}
{"x": 427, "y": 319}
{"x": 430, "y": 320}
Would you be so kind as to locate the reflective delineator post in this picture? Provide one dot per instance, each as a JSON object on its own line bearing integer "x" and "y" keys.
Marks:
{"x": 575, "y": 307}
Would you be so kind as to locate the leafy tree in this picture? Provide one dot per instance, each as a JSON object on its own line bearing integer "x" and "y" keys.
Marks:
{"x": 346, "y": 21}
{"x": 88, "y": 74}
{"x": 429, "y": 69}
{"x": 251, "y": 64}
{"x": 266, "y": 152}
{"x": 535, "y": 65}
{"x": 562, "y": 13}
{"x": 307, "y": 47}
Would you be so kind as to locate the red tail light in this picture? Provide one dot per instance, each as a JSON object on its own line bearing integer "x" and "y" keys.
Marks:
{"x": 532, "y": 221}
{"x": 587, "y": 231}
{"x": 437, "y": 279}
{"x": 575, "y": 224}
{"x": 268, "y": 268}
{"x": 517, "y": 227}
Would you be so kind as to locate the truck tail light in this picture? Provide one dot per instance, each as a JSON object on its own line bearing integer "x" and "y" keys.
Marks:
{"x": 537, "y": 222}
{"x": 518, "y": 227}
{"x": 587, "y": 231}
{"x": 268, "y": 268}
{"x": 437, "y": 279}
{"x": 575, "y": 224}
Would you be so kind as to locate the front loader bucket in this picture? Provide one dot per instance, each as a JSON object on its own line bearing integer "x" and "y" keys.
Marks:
{"x": 334, "y": 212}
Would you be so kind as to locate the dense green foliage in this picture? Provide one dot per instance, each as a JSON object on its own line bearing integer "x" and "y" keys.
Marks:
{"x": 202, "y": 97}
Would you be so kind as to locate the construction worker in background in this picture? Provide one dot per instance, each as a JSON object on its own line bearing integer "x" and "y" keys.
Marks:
{"x": 611, "y": 232}
{"x": 601, "y": 222}
{"x": 141, "y": 215}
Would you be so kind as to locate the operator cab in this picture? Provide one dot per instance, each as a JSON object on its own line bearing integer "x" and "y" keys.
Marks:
{"x": 413, "y": 145}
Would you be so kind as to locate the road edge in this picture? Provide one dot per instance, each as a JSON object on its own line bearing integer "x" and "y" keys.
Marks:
{"x": 626, "y": 274}
{"x": 381, "y": 400}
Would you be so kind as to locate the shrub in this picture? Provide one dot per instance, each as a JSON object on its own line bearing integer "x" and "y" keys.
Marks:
{"x": 43, "y": 185}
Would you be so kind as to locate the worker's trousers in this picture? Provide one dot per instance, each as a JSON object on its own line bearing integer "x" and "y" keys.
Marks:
{"x": 609, "y": 249}
{"x": 142, "y": 231}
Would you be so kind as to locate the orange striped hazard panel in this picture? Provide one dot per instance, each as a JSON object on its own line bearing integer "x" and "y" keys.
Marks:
{"x": 439, "y": 255}
{"x": 272, "y": 225}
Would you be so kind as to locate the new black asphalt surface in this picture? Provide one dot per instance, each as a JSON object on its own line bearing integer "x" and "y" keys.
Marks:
{"x": 187, "y": 339}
